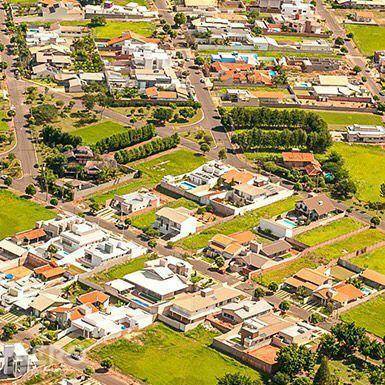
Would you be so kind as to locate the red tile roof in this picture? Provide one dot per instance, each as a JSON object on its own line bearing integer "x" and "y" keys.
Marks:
{"x": 93, "y": 297}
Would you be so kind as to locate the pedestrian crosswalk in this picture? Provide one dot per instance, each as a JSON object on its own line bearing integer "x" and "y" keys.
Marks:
{"x": 282, "y": 294}
{"x": 10, "y": 317}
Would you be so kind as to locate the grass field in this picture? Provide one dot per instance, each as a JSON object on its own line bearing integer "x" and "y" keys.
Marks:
{"x": 329, "y": 231}
{"x": 368, "y": 315}
{"x": 339, "y": 120}
{"x": 119, "y": 271}
{"x": 374, "y": 260}
{"x": 161, "y": 356}
{"x": 364, "y": 163}
{"x": 368, "y": 38}
{"x": 240, "y": 223}
{"x": 324, "y": 255}
{"x": 91, "y": 134}
{"x": 347, "y": 374}
{"x": 116, "y": 28}
{"x": 18, "y": 214}
{"x": 176, "y": 162}
{"x": 144, "y": 220}
{"x": 79, "y": 343}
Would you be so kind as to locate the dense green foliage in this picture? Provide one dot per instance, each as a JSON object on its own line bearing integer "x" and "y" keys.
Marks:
{"x": 52, "y": 136}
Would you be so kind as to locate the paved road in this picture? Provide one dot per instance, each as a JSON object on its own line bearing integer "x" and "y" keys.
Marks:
{"x": 354, "y": 55}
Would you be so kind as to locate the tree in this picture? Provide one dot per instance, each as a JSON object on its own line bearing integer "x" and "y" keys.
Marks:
{"x": 93, "y": 206}
{"x": 273, "y": 286}
{"x": 88, "y": 371}
{"x": 284, "y": 306}
{"x": 222, "y": 154}
{"x": 54, "y": 201}
{"x": 235, "y": 379}
{"x": 152, "y": 243}
{"x": 30, "y": 190}
{"x": 179, "y": 19}
{"x": 8, "y": 331}
{"x": 204, "y": 147}
{"x": 220, "y": 262}
{"x": 357, "y": 69}
{"x": 258, "y": 293}
{"x": 323, "y": 375}
{"x": 339, "y": 41}
{"x": 199, "y": 61}
{"x": 382, "y": 190}
{"x": 8, "y": 181}
{"x": 375, "y": 221}
{"x": 106, "y": 363}
{"x": 162, "y": 114}
{"x": 295, "y": 359}
{"x": 11, "y": 113}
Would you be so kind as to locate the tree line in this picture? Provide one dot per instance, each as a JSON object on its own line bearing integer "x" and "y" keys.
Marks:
{"x": 53, "y": 136}
{"x": 257, "y": 138}
{"x": 155, "y": 146}
{"x": 125, "y": 139}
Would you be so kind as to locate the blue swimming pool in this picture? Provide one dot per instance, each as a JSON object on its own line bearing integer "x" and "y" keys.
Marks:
{"x": 288, "y": 223}
{"x": 139, "y": 302}
{"x": 187, "y": 185}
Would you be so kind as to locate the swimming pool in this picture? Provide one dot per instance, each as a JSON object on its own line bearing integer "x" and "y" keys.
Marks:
{"x": 139, "y": 302}
{"x": 288, "y": 223}
{"x": 187, "y": 185}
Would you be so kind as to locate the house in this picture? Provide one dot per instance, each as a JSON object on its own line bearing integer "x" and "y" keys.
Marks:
{"x": 29, "y": 237}
{"x": 224, "y": 246}
{"x": 316, "y": 207}
{"x": 111, "y": 248}
{"x": 276, "y": 249}
{"x": 10, "y": 250}
{"x": 193, "y": 308}
{"x": 338, "y": 295}
{"x": 49, "y": 272}
{"x": 238, "y": 312}
{"x": 45, "y": 301}
{"x": 275, "y": 228}
{"x": 310, "y": 279}
{"x": 303, "y": 161}
{"x": 200, "y": 3}
{"x": 61, "y": 10}
{"x": 245, "y": 194}
{"x": 175, "y": 224}
{"x": 136, "y": 201}
{"x": 237, "y": 177}
{"x": 96, "y": 298}
{"x": 156, "y": 283}
{"x": 365, "y": 134}
{"x": 64, "y": 315}
{"x": 80, "y": 154}
{"x": 176, "y": 265}
{"x": 373, "y": 279}
{"x": 250, "y": 262}
{"x": 15, "y": 360}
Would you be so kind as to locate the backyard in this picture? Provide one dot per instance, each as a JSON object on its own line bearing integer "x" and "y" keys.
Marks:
{"x": 363, "y": 163}
{"x": 374, "y": 260}
{"x": 240, "y": 223}
{"x": 95, "y": 132}
{"x": 368, "y": 315}
{"x": 119, "y": 271}
{"x": 146, "y": 219}
{"x": 161, "y": 356}
{"x": 18, "y": 214}
{"x": 331, "y": 230}
{"x": 368, "y": 38}
{"x": 176, "y": 162}
{"x": 324, "y": 255}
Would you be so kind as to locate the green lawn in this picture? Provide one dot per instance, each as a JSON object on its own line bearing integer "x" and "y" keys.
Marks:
{"x": 368, "y": 38}
{"x": 324, "y": 255}
{"x": 119, "y": 271}
{"x": 91, "y": 134}
{"x": 332, "y": 230}
{"x": 339, "y": 120}
{"x": 116, "y": 28}
{"x": 144, "y": 220}
{"x": 176, "y": 162}
{"x": 162, "y": 356}
{"x": 79, "y": 343}
{"x": 18, "y": 214}
{"x": 368, "y": 315}
{"x": 124, "y": 2}
{"x": 348, "y": 374}
{"x": 365, "y": 164}
{"x": 374, "y": 260}
{"x": 240, "y": 223}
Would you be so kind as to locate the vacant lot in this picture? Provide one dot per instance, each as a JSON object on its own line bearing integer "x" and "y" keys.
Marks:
{"x": 176, "y": 162}
{"x": 368, "y": 315}
{"x": 364, "y": 163}
{"x": 18, "y": 214}
{"x": 79, "y": 344}
{"x": 324, "y": 255}
{"x": 161, "y": 356}
{"x": 116, "y": 28}
{"x": 119, "y": 271}
{"x": 374, "y": 260}
{"x": 368, "y": 38}
{"x": 329, "y": 231}
{"x": 95, "y": 132}
{"x": 240, "y": 223}
{"x": 145, "y": 220}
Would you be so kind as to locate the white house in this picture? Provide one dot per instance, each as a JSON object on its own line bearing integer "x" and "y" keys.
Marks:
{"x": 176, "y": 265}
{"x": 175, "y": 224}
{"x": 15, "y": 360}
{"x": 136, "y": 201}
{"x": 365, "y": 134}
